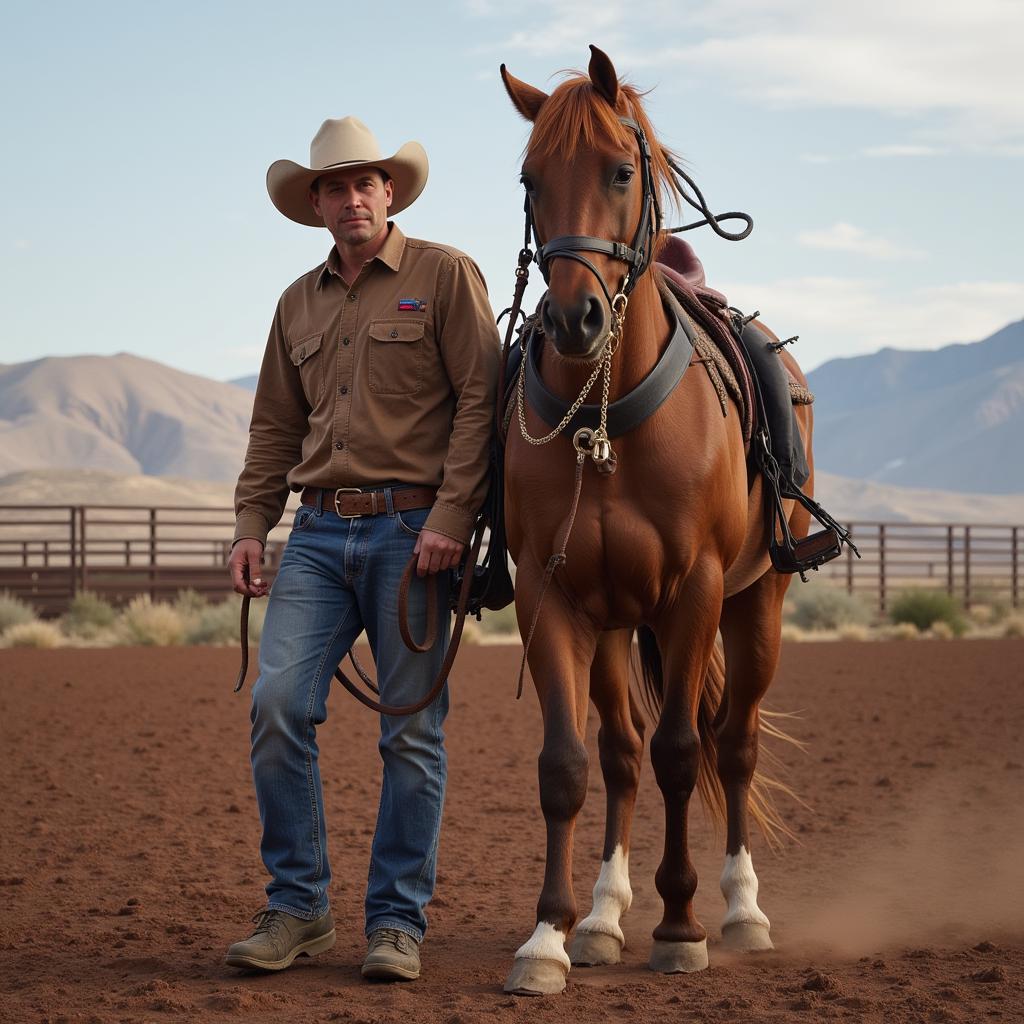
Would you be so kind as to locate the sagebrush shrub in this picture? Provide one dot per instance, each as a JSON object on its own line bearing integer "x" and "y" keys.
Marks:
{"x": 88, "y": 615}
{"x": 144, "y": 622}
{"x": 824, "y": 607}
{"x": 922, "y": 608}
{"x": 34, "y": 633}
{"x": 220, "y": 623}
{"x": 14, "y": 611}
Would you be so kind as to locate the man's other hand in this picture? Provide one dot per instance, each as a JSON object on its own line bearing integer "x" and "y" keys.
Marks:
{"x": 246, "y": 563}
{"x": 437, "y": 552}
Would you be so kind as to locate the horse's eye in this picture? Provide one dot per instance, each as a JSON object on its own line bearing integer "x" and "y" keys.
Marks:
{"x": 527, "y": 183}
{"x": 624, "y": 175}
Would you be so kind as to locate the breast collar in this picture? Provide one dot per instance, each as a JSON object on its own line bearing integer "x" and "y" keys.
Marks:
{"x": 632, "y": 409}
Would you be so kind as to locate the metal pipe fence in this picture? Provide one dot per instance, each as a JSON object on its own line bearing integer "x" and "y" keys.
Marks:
{"x": 50, "y": 553}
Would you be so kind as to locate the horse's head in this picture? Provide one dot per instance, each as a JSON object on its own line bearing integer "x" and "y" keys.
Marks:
{"x": 593, "y": 197}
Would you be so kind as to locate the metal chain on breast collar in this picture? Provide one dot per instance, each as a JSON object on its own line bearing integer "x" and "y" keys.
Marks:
{"x": 586, "y": 441}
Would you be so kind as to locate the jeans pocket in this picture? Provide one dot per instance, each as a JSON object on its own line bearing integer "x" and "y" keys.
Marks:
{"x": 412, "y": 520}
{"x": 305, "y": 516}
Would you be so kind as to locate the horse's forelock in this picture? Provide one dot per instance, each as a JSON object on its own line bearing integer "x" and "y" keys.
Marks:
{"x": 577, "y": 116}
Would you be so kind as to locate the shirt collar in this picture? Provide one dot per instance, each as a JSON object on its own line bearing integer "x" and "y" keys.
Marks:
{"x": 390, "y": 255}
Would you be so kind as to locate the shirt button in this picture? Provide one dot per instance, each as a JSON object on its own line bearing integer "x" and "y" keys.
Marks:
{"x": 338, "y": 445}
{"x": 342, "y": 391}
{"x": 345, "y": 341}
{"x": 352, "y": 296}
{"x": 394, "y": 334}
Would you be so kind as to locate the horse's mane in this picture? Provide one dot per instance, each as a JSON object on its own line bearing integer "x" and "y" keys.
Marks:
{"x": 576, "y": 114}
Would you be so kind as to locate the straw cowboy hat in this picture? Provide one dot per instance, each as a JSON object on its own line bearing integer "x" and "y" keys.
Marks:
{"x": 342, "y": 144}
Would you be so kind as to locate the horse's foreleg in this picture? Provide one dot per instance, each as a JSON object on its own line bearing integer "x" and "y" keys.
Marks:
{"x": 751, "y": 624}
{"x": 686, "y": 637}
{"x": 559, "y": 657}
{"x": 599, "y": 938}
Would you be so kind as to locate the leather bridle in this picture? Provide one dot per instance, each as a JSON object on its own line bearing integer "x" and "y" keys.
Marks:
{"x": 637, "y": 255}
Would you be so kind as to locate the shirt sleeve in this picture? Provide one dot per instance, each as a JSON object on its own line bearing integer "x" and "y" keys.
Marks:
{"x": 471, "y": 353}
{"x": 280, "y": 422}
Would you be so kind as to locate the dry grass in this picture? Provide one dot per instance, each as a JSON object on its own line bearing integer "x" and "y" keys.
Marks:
{"x": 34, "y": 633}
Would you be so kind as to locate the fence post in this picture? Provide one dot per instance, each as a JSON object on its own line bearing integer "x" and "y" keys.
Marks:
{"x": 1014, "y": 569}
{"x": 949, "y": 560}
{"x": 849, "y": 562}
{"x": 72, "y": 552}
{"x": 967, "y": 567}
{"x": 152, "y": 554}
{"x": 83, "y": 559}
{"x": 881, "y": 568}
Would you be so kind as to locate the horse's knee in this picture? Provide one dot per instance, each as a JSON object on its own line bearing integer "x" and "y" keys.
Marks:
{"x": 675, "y": 754}
{"x": 562, "y": 770}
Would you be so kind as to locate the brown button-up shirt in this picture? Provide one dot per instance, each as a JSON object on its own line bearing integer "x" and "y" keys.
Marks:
{"x": 389, "y": 379}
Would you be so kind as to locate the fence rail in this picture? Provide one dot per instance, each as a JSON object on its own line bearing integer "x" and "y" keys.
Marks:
{"x": 49, "y": 553}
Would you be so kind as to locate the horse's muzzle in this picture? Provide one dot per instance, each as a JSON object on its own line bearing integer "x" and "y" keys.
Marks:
{"x": 576, "y": 330}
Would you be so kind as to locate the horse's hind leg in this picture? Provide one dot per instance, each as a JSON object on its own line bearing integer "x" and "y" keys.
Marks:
{"x": 598, "y": 938}
{"x": 686, "y": 638}
{"x": 751, "y": 624}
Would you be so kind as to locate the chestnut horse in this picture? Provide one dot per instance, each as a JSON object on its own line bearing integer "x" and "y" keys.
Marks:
{"x": 672, "y": 544}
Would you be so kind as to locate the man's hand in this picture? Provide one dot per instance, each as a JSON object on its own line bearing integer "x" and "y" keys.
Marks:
{"x": 245, "y": 565}
{"x": 437, "y": 552}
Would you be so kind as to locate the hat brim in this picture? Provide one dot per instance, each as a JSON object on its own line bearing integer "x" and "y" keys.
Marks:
{"x": 288, "y": 182}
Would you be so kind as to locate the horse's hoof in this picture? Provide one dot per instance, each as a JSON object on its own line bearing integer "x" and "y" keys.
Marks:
{"x": 747, "y": 937}
{"x": 590, "y": 949}
{"x": 678, "y": 957}
{"x": 535, "y": 978}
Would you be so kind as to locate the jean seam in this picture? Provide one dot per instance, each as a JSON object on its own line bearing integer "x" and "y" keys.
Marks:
{"x": 317, "y": 681}
{"x": 300, "y": 914}
{"x": 436, "y": 838}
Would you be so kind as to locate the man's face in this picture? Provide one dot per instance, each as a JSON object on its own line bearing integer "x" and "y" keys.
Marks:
{"x": 353, "y": 204}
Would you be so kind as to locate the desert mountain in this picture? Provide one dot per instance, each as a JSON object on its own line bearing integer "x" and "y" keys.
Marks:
{"x": 951, "y": 419}
{"x": 121, "y": 413}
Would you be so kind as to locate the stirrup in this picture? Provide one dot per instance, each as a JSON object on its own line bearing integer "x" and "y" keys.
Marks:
{"x": 788, "y": 554}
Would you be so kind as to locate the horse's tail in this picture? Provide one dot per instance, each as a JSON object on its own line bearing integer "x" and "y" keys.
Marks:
{"x": 764, "y": 785}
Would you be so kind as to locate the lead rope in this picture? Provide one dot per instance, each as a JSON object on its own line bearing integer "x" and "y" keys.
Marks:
{"x": 594, "y": 443}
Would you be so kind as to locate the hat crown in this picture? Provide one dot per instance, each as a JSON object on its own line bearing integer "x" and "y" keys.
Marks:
{"x": 343, "y": 140}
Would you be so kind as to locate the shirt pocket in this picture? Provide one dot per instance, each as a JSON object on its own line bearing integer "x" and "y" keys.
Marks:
{"x": 397, "y": 351}
{"x": 305, "y": 354}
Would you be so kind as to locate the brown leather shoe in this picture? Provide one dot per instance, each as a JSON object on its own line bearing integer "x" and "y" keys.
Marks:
{"x": 392, "y": 955}
{"x": 279, "y": 938}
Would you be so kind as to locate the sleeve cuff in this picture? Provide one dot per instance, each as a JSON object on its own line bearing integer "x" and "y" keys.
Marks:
{"x": 452, "y": 521}
{"x": 250, "y": 525}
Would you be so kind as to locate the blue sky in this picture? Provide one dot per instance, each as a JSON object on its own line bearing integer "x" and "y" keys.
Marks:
{"x": 878, "y": 146}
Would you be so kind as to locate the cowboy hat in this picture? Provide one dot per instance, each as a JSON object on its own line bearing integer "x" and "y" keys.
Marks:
{"x": 343, "y": 144}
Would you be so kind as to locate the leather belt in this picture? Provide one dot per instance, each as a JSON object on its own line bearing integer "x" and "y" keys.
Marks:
{"x": 352, "y": 502}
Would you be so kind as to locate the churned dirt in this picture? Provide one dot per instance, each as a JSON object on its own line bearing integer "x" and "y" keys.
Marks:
{"x": 129, "y": 849}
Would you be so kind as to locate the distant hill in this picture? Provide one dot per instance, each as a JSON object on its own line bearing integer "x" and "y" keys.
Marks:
{"x": 951, "y": 419}
{"x": 249, "y": 383}
{"x": 120, "y": 413}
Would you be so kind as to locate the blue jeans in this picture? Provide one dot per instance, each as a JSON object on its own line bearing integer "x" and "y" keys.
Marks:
{"x": 338, "y": 576}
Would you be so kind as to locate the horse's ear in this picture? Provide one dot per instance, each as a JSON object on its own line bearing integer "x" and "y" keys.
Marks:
{"x": 602, "y": 74}
{"x": 525, "y": 98}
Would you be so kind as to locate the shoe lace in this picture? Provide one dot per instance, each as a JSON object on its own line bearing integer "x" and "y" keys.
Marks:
{"x": 267, "y": 922}
{"x": 394, "y": 937}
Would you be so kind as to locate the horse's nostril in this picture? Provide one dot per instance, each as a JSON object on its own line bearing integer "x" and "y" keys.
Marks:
{"x": 593, "y": 320}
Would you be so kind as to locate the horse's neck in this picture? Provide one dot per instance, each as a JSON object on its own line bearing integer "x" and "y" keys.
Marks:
{"x": 644, "y": 336}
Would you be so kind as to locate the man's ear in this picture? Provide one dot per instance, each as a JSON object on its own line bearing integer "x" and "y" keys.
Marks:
{"x": 389, "y": 191}
{"x": 525, "y": 98}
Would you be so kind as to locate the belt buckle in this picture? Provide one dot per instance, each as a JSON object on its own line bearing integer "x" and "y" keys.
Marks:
{"x": 337, "y": 507}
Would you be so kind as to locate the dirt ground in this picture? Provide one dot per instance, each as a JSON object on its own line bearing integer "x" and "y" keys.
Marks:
{"x": 129, "y": 849}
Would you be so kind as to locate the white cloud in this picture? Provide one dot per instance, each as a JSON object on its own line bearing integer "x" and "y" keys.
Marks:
{"x": 843, "y": 237}
{"x": 849, "y": 316}
{"x": 903, "y": 149}
{"x": 959, "y": 62}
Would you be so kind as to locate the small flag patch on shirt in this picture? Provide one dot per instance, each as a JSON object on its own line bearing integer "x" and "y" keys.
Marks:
{"x": 411, "y": 305}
